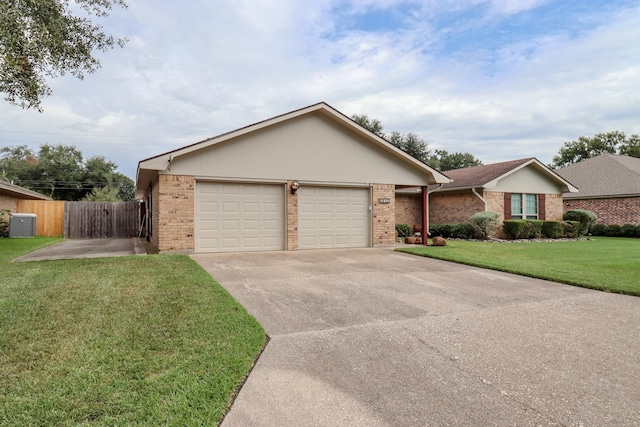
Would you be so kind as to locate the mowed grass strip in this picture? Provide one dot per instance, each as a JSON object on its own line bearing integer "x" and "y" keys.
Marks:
{"x": 604, "y": 263}
{"x": 143, "y": 340}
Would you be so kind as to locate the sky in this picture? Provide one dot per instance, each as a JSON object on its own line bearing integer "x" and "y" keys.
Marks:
{"x": 500, "y": 79}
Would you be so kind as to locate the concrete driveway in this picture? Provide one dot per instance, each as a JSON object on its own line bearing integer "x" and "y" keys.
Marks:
{"x": 86, "y": 248}
{"x": 371, "y": 337}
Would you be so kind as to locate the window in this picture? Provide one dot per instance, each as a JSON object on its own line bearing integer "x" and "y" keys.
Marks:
{"x": 524, "y": 206}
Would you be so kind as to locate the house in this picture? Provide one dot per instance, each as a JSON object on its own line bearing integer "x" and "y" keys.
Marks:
{"x": 10, "y": 194}
{"x": 609, "y": 187}
{"x": 517, "y": 189}
{"x": 311, "y": 178}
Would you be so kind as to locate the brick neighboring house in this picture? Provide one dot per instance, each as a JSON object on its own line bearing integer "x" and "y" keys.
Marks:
{"x": 609, "y": 187}
{"x": 308, "y": 179}
{"x": 10, "y": 194}
{"x": 523, "y": 188}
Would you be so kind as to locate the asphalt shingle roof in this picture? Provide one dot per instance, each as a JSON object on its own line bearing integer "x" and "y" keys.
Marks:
{"x": 607, "y": 175}
{"x": 477, "y": 176}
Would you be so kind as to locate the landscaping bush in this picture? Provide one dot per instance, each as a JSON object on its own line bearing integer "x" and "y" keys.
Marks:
{"x": 442, "y": 230}
{"x": 5, "y": 217}
{"x": 552, "y": 229}
{"x": 403, "y": 230}
{"x": 571, "y": 228}
{"x": 534, "y": 228}
{"x": 613, "y": 230}
{"x": 598, "y": 229}
{"x": 587, "y": 219}
{"x": 463, "y": 230}
{"x": 485, "y": 223}
{"x": 514, "y": 228}
{"x": 629, "y": 230}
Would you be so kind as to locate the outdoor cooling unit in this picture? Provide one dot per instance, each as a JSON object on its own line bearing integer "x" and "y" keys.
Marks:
{"x": 22, "y": 225}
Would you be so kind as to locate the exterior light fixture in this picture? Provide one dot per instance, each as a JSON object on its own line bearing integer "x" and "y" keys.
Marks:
{"x": 294, "y": 187}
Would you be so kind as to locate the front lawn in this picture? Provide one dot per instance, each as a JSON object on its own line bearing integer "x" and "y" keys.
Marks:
{"x": 141, "y": 340}
{"x": 605, "y": 263}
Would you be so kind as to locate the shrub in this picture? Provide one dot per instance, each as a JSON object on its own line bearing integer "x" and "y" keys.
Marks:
{"x": 598, "y": 229}
{"x": 587, "y": 219}
{"x": 571, "y": 228}
{"x": 552, "y": 229}
{"x": 5, "y": 217}
{"x": 442, "y": 230}
{"x": 514, "y": 228}
{"x": 403, "y": 230}
{"x": 629, "y": 230}
{"x": 463, "y": 230}
{"x": 613, "y": 230}
{"x": 534, "y": 228}
{"x": 485, "y": 223}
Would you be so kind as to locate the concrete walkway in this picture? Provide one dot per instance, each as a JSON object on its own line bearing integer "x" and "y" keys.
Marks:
{"x": 86, "y": 248}
{"x": 376, "y": 338}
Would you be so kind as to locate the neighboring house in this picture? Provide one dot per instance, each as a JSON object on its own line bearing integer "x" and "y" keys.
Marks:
{"x": 308, "y": 179}
{"x": 609, "y": 187}
{"x": 518, "y": 189}
{"x": 10, "y": 194}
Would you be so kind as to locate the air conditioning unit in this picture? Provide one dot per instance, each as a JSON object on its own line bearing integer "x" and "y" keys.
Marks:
{"x": 22, "y": 225}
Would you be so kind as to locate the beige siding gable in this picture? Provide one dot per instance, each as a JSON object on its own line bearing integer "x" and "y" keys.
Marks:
{"x": 528, "y": 180}
{"x": 311, "y": 148}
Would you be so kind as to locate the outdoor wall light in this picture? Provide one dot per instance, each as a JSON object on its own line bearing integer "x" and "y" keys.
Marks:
{"x": 294, "y": 187}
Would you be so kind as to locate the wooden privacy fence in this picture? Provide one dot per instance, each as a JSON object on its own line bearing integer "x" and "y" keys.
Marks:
{"x": 50, "y": 215}
{"x": 83, "y": 220}
{"x": 90, "y": 220}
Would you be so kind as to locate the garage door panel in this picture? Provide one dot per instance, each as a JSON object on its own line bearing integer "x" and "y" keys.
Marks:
{"x": 239, "y": 217}
{"x": 333, "y": 217}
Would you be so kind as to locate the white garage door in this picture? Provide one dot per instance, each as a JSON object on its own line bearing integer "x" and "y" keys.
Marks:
{"x": 239, "y": 217}
{"x": 333, "y": 217}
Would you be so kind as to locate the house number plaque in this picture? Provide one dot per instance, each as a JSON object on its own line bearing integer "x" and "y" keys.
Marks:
{"x": 384, "y": 201}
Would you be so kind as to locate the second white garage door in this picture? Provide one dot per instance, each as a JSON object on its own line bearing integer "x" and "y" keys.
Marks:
{"x": 331, "y": 217}
{"x": 239, "y": 217}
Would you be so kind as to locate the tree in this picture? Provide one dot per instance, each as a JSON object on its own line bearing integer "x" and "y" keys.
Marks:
{"x": 45, "y": 38}
{"x": 614, "y": 142}
{"x": 410, "y": 143}
{"x": 445, "y": 161}
{"x": 59, "y": 172}
{"x": 372, "y": 125}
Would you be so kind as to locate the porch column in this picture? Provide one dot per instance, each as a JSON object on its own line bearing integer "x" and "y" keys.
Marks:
{"x": 425, "y": 216}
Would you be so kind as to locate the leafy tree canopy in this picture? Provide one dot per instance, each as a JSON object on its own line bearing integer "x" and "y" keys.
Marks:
{"x": 46, "y": 38}
{"x": 418, "y": 148}
{"x": 60, "y": 172}
{"x": 445, "y": 161}
{"x": 614, "y": 142}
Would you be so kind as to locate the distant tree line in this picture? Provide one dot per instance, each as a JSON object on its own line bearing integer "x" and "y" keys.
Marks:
{"x": 614, "y": 142}
{"x": 60, "y": 172}
{"x": 418, "y": 148}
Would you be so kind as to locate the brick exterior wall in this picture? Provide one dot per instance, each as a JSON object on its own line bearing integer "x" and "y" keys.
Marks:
{"x": 451, "y": 208}
{"x": 155, "y": 211}
{"x": 553, "y": 207}
{"x": 292, "y": 219}
{"x": 619, "y": 211}
{"x": 384, "y": 215}
{"x": 8, "y": 202}
{"x": 175, "y": 217}
{"x": 409, "y": 209}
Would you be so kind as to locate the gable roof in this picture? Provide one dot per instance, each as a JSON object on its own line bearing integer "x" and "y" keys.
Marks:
{"x": 487, "y": 176}
{"x": 607, "y": 175}
{"x": 150, "y": 167}
{"x": 20, "y": 192}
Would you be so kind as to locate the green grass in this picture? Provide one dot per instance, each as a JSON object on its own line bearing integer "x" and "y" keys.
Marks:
{"x": 149, "y": 340}
{"x": 604, "y": 263}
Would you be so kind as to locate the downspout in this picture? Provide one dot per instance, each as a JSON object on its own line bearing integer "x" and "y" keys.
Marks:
{"x": 480, "y": 197}
{"x": 425, "y": 212}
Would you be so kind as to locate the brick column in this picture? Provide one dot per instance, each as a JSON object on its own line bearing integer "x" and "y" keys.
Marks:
{"x": 292, "y": 218}
{"x": 384, "y": 214}
{"x": 175, "y": 216}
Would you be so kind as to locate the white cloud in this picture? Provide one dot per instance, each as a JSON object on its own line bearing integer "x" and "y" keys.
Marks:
{"x": 192, "y": 70}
